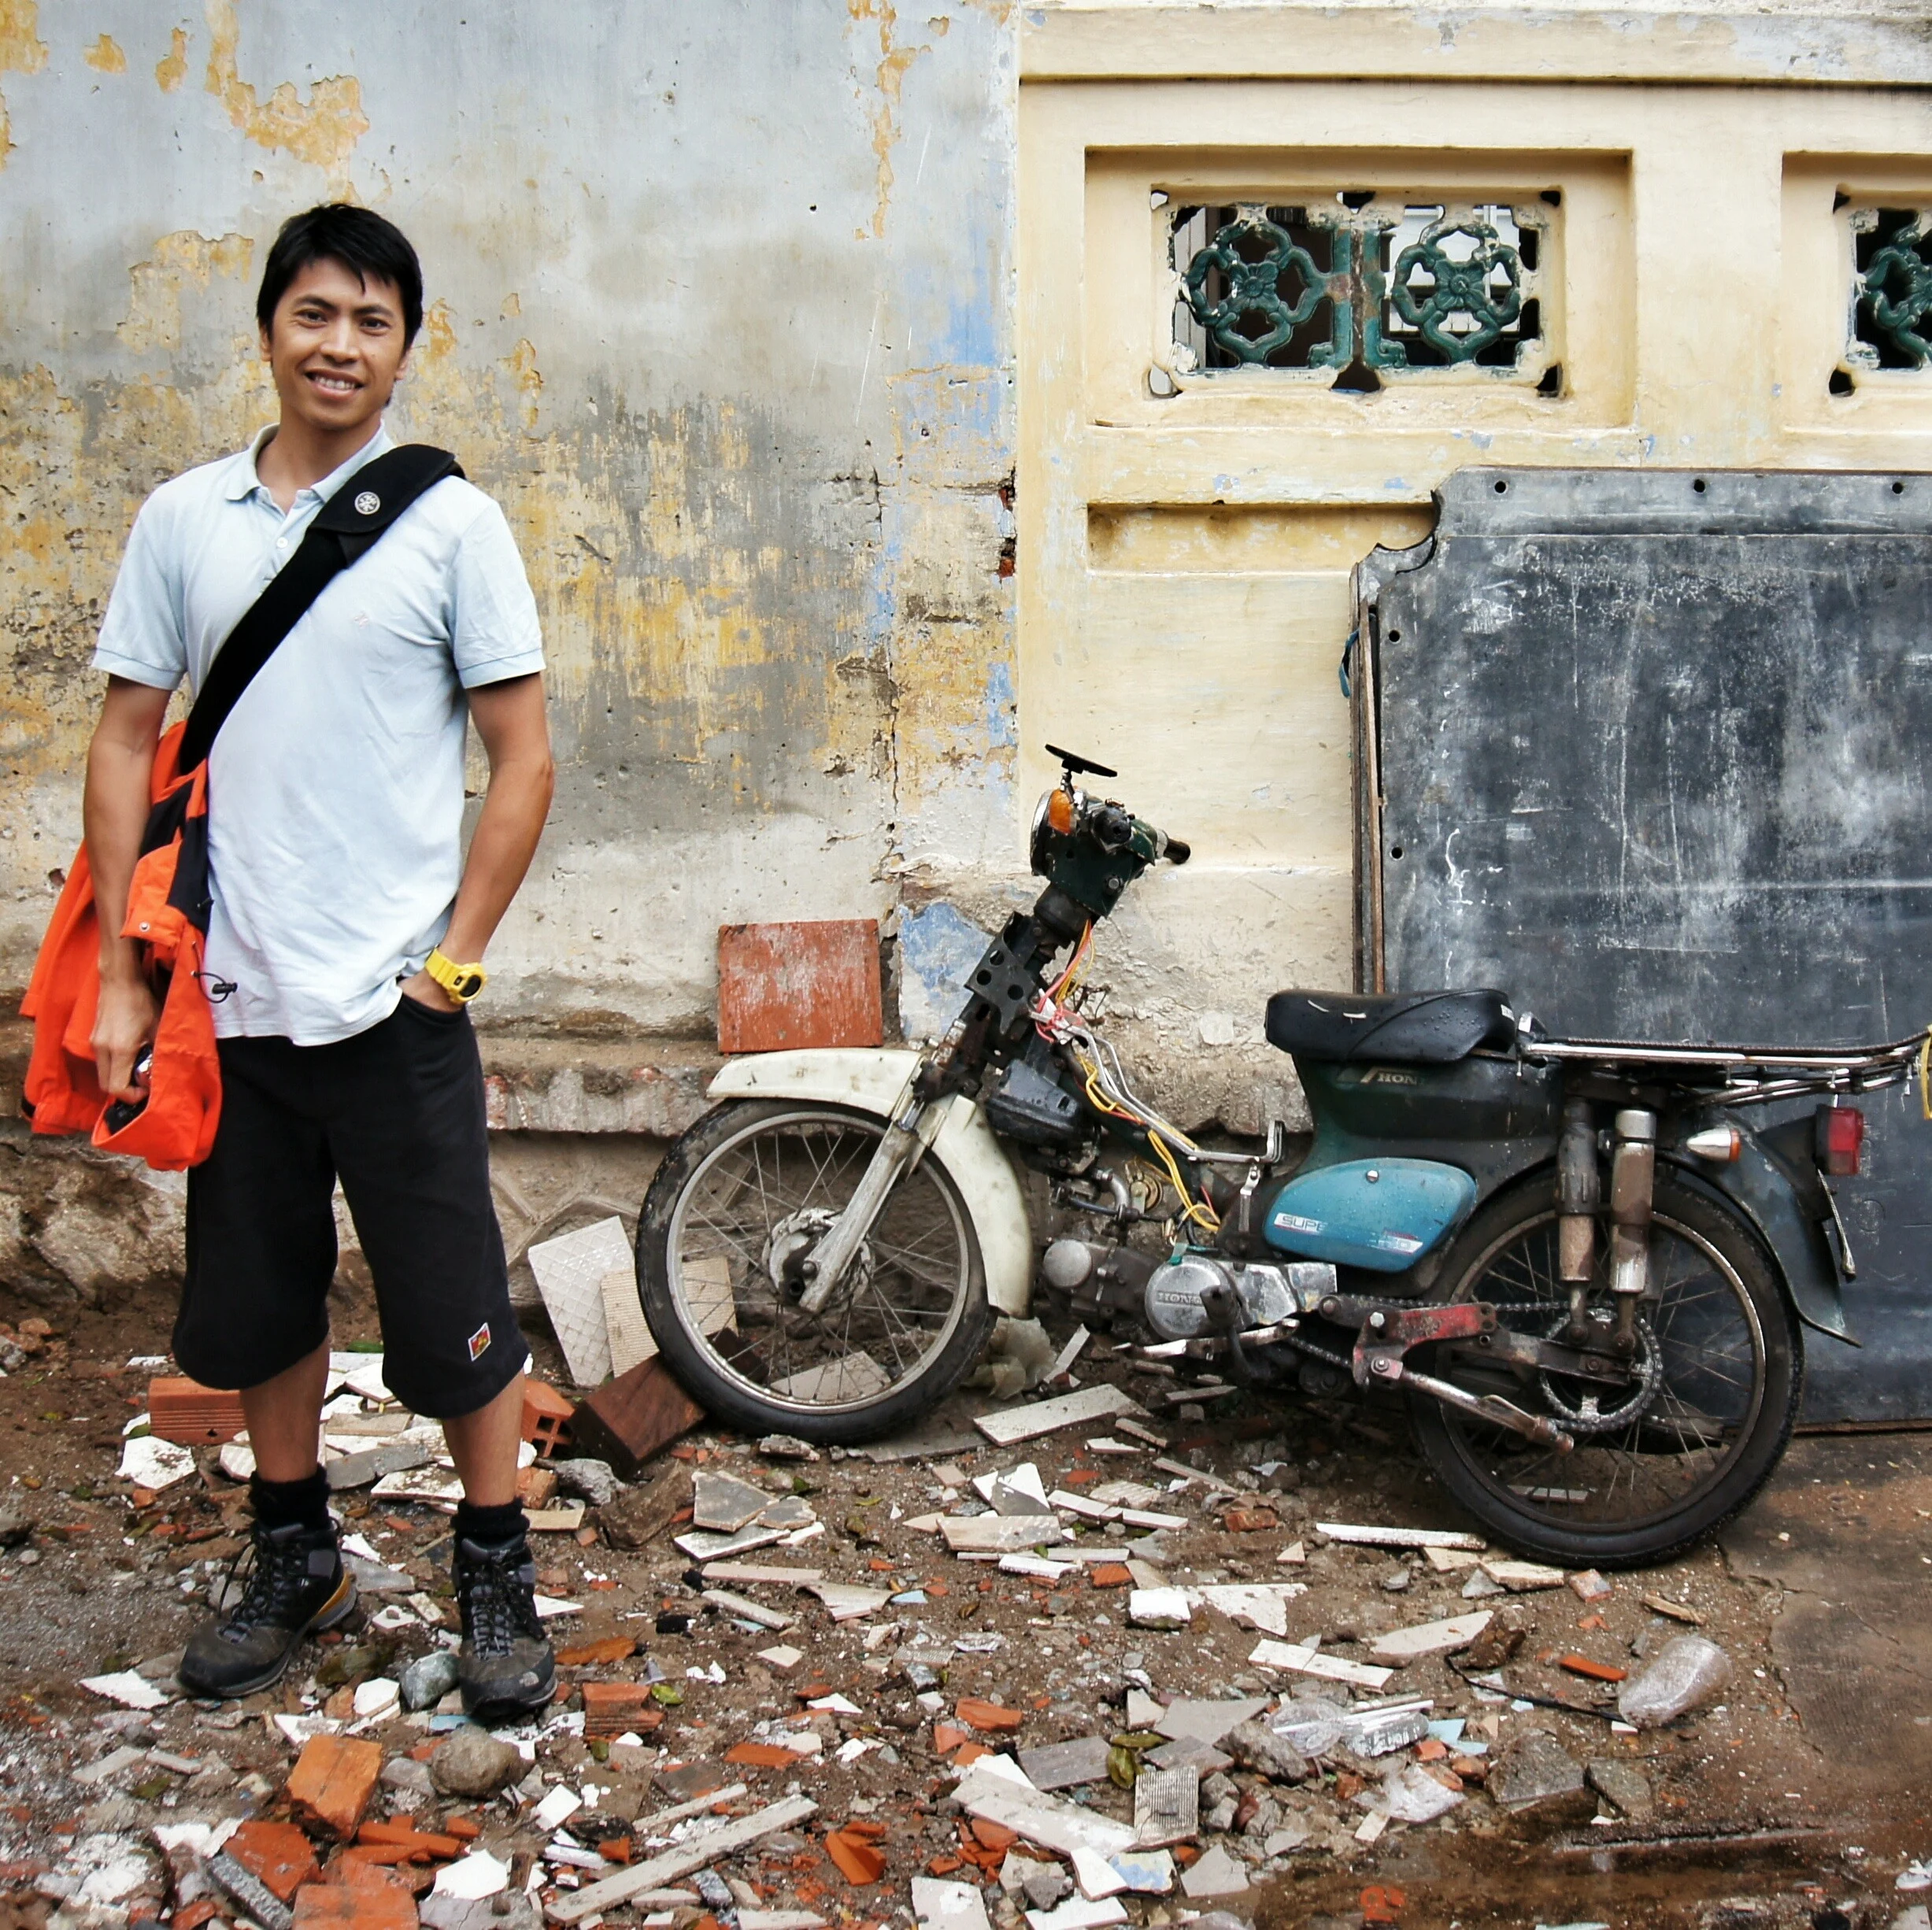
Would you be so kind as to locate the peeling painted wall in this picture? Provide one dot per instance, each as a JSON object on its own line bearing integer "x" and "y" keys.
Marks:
{"x": 720, "y": 310}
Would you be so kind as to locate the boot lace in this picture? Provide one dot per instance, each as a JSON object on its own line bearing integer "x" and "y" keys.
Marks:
{"x": 273, "y": 1572}
{"x": 493, "y": 1587}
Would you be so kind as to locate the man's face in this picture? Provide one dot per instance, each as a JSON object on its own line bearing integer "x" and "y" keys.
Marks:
{"x": 335, "y": 346}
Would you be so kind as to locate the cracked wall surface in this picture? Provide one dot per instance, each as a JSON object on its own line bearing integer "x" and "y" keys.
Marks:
{"x": 720, "y": 308}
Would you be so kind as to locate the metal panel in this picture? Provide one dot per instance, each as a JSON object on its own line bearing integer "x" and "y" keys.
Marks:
{"x": 1653, "y": 753}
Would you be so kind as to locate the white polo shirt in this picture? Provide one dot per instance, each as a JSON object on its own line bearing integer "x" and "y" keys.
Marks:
{"x": 335, "y": 786}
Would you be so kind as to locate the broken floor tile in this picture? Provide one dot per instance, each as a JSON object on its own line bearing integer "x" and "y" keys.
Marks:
{"x": 1363, "y": 1535}
{"x": 1429, "y": 1638}
{"x": 723, "y": 1504}
{"x": 1147, "y": 1872}
{"x": 1214, "y": 1873}
{"x": 1307, "y": 1661}
{"x": 1167, "y": 1807}
{"x": 1000, "y": 1534}
{"x": 1046, "y": 1417}
{"x": 1066, "y": 1765}
{"x": 1207, "y": 1720}
{"x": 1078, "y": 1913}
{"x": 942, "y": 1906}
{"x": 1159, "y": 1608}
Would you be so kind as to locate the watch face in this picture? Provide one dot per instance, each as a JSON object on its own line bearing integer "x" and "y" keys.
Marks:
{"x": 467, "y": 985}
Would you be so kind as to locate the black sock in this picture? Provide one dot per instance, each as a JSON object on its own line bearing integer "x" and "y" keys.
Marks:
{"x": 500, "y": 1527}
{"x": 291, "y": 1504}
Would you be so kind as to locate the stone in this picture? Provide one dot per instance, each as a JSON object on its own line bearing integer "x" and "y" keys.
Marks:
{"x": 1259, "y": 1748}
{"x": 1537, "y": 1772}
{"x": 594, "y": 1481}
{"x": 331, "y": 1783}
{"x": 1622, "y": 1784}
{"x": 471, "y": 1762}
{"x": 425, "y": 1682}
{"x": 16, "y": 1524}
{"x": 639, "y": 1516}
{"x": 506, "y": 1910}
{"x": 1047, "y": 1885}
{"x": 787, "y": 1447}
{"x": 405, "y": 1773}
{"x": 1688, "y": 1670}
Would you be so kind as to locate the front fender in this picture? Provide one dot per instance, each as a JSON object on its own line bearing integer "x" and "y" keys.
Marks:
{"x": 1754, "y": 1184}
{"x": 874, "y": 1080}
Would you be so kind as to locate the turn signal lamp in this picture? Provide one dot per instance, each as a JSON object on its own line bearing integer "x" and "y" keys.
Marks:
{"x": 1841, "y": 1140}
{"x": 1720, "y": 1144}
{"x": 1060, "y": 811}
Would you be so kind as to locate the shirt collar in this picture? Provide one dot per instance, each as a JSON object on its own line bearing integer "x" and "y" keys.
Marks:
{"x": 247, "y": 479}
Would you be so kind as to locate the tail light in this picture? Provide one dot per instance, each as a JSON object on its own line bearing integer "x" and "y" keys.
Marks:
{"x": 1840, "y": 1140}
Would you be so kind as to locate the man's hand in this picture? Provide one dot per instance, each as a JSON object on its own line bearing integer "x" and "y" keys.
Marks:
{"x": 120, "y": 767}
{"x": 123, "y": 1024}
{"x": 425, "y": 991}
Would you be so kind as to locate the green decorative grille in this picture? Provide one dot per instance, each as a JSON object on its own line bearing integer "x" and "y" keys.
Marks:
{"x": 1362, "y": 288}
{"x": 1891, "y": 288}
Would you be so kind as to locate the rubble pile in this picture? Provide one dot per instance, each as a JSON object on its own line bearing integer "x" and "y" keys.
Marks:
{"x": 1059, "y": 1662}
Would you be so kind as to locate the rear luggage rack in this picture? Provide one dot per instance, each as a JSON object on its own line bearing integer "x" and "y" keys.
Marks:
{"x": 1751, "y": 1075}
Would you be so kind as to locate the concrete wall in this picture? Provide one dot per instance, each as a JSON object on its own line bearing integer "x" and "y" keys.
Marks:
{"x": 720, "y": 310}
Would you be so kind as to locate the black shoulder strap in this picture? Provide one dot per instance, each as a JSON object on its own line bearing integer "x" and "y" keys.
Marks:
{"x": 346, "y": 525}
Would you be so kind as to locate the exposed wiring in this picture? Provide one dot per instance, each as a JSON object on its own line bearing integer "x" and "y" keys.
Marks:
{"x": 1925, "y": 1074}
{"x": 1108, "y": 1090}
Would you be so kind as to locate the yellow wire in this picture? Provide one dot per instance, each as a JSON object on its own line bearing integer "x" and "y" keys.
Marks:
{"x": 1925, "y": 1074}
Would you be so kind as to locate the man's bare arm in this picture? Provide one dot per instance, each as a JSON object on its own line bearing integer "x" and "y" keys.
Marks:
{"x": 120, "y": 766}
{"x": 510, "y": 719}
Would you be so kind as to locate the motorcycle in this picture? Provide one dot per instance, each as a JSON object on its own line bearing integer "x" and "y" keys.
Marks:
{"x": 1584, "y": 1272}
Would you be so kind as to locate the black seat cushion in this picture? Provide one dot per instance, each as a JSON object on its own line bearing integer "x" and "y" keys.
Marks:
{"x": 1415, "y": 1028}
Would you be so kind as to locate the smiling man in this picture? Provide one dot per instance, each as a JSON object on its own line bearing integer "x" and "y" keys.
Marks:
{"x": 343, "y": 946}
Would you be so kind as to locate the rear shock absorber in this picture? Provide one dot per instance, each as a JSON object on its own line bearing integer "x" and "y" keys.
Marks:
{"x": 1632, "y": 1181}
{"x": 1579, "y": 1196}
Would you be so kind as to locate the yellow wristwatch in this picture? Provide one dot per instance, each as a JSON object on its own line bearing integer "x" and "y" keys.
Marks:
{"x": 462, "y": 982}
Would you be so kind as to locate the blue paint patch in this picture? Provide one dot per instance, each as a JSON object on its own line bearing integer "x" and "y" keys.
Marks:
{"x": 1002, "y": 708}
{"x": 938, "y": 945}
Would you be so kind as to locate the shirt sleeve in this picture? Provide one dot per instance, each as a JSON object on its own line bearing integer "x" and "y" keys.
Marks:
{"x": 141, "y": 637}
{"x": 493, "y": 631}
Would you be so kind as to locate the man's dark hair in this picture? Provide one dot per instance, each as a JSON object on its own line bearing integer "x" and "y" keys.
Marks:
{"x": 370, "y": 248}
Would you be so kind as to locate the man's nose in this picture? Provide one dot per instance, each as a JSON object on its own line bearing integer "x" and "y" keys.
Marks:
{"x": 339, "y": 338}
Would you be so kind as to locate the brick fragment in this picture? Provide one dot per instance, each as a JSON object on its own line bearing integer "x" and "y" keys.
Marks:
{"x": 417, "y": 1845}
{"x": 1596, "y": 1671}
{"x": 1249, "y": 1521}
{"x": 596, "y": 1654}
{"x": 378, "y": 1866}
{"x": 859, "y": 1862}
{"x": 278, "y": 1852}
{"x": 989, "y": 1718}
{"x": 356, "y": 1906}
{"x": 331, "y": 1783}
{"x": 546, "y": 1416}
{"x": 762, "y": 1756}
{"x": 946, "y": 1737}
{"x": 1110, "y": 1575}
{"x": 616, "y": 1708}
{"x": 183, "y": 1410}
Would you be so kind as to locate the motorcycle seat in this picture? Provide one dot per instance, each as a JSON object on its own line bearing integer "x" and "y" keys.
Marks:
{"x": 1412, "y": 1028}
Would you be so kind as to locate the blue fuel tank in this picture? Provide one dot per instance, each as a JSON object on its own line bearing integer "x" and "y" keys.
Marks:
{"x": 1384, "y": 1215}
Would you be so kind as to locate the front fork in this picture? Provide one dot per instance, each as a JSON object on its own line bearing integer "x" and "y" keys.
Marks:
{"x": 1579, "y": 1196}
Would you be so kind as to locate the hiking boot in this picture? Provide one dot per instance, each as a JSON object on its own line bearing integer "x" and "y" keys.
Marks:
{"x": 505, "y": 1667}
{"x": 295, "y": 1583}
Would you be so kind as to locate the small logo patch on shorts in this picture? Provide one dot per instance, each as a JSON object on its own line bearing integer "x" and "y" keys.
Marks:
{"x": 479, "y": 1342}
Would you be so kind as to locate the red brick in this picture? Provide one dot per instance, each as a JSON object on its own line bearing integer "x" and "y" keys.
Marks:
{"x": 546, "y": 1416}
{"x": 353, "y": 1906}
{"x": 1110, "y": 1575}
{"x": 331, "y": 1783}
{"x": 763, "y": 1756}
{"x": 278, "y": 1852}
{"x": 184, "y": 1410}
{"x": 377, "y": 1865}
{"x": 416, "y": 1846}
{"x": 1596, "y": 1671}
{"x": 627, "y": 1420}
{"x": 809, "y": 984}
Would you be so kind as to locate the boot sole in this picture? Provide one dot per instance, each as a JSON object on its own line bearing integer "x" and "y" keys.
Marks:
{"x": 336, "y": 1609}
{"x": 500, "y": 1708}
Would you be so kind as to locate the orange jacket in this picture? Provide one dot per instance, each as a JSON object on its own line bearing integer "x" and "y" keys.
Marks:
{"x": 168, "y": 916}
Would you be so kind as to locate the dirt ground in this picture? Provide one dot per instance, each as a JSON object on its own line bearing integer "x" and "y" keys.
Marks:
{"x": 1800, "y": 1797}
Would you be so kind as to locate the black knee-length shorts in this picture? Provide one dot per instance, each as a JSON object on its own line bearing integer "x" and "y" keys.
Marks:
{"x": 397, "y": 1112}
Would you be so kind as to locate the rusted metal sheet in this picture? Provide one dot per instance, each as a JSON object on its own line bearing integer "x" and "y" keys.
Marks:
{"x": 813, "y": 983}
{"x": 1651, "y": 754}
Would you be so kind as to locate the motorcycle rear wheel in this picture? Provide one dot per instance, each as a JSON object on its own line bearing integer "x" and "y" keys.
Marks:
{"x": 1728, "y": 1349}
{"x": 740, "y": 1198}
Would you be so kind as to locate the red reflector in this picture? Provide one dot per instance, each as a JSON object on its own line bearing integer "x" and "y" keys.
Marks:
{"x": 1840, "y": 1139}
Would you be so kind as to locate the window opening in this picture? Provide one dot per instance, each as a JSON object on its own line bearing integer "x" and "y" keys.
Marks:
{"x": 1368, "y": 287}
{"x": 1891, "y": 288}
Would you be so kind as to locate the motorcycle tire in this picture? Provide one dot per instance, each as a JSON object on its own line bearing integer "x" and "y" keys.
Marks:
{"x": 728, "y": 1370}
{"x": 1471, "y": 1459}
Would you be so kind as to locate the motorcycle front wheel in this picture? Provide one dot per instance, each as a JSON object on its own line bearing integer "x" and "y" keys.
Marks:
{"x": 1658, "y": 1464}
{"x": 739, "y": 1203}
